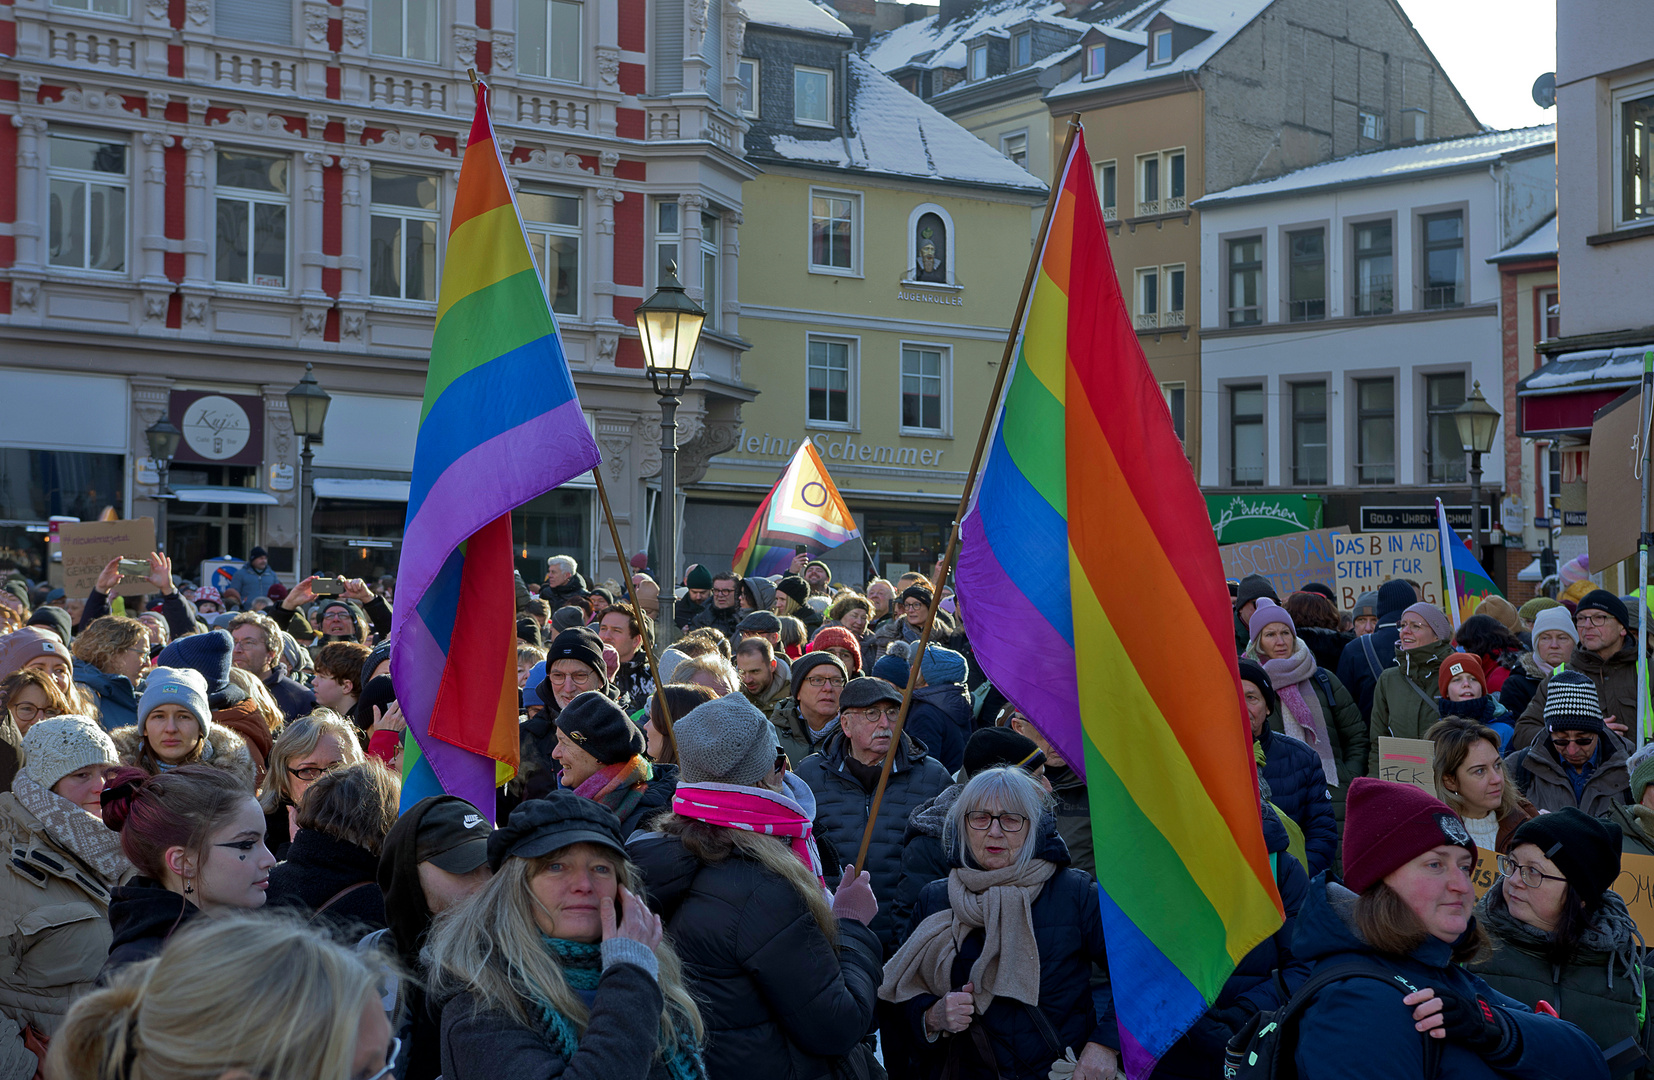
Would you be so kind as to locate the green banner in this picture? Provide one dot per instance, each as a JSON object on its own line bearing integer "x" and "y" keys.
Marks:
{"x": 1239, "y": 518}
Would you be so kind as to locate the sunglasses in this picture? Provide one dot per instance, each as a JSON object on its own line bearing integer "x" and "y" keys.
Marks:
{"x": 1584, "y": 743}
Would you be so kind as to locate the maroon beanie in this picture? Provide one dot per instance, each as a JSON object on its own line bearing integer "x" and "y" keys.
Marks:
{"x": 1387, "y": 825}
{"x": 1457, "y": 664}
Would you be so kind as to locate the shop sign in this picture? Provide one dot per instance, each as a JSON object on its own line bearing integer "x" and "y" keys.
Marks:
{"x": 281, "y": 477}
{"x": 930, "y": 298}
{"x": 841, "y": 448}
{"x": 1573, "y": 519}
{"x": 219, "y": 429}
{"x": 1381, "y": 518}
{"x": 1238, "y": 518}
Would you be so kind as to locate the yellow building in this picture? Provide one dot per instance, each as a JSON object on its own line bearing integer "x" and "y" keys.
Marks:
{"x": 885, "y": 247}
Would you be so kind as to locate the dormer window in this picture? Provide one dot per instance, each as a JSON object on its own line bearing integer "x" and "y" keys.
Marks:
{"x": 1022, "y": 49}
{"x": 1162, "y": 51}
{"x": 1096, "y": 61}
{"x": 812, "y": 97}
{"x": 979, "y": 63}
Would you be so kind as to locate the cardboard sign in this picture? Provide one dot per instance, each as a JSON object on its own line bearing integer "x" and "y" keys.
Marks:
{"x": 1613, "y": 508}
{"x": 1367, "y": 560}
{"x": 1289, "y": 562}
{"x": 1408, "y": 761}
{"x": 1636, "y": 887}
{"x": 89, "y": 545}
{"x": 1485, "y": 870}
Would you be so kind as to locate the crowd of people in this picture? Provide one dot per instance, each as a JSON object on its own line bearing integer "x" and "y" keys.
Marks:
{"x": 211, "y": 874}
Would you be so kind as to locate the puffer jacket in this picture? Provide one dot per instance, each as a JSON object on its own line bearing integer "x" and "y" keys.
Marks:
{"x": 1542, "y": 778}
{"x": 940, "y": 717}
{"x": 1600, "y": 988}
{"x": 723, "y": 620}
{"x": 1068, "y": 930}
{"x": 1388, "y": 1046}
{"x": 1405, "y": 711}
{"x": 1615, "y": 679}
{"x": 1636, "y": 824}
{"x": 54, "y": 911}
{"x": 1298, "y": 787}
{"x": 778, "y": 999}
{"x": 1345, "y": 730}
{"x": 224, "y": 749}
{"x": 294, "y": 699}
{"x": 116, "y": 698}
{"x": 843, "y": 803}
{"x": 313, "y": 879}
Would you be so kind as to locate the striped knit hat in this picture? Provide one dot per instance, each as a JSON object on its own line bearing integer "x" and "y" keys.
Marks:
{"x": 1571, "y": 704}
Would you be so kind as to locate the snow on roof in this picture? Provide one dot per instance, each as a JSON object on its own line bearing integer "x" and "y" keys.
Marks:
{"x": 894, "y": 133}
{"x": 1589, "y": 369}
{"x": 945, "y": 42}
{"x": 1223, "y": 18}
{"x": 1379, "y": 166}
{"x": 1536, "y": 245}
{"x": 793, "y": 15}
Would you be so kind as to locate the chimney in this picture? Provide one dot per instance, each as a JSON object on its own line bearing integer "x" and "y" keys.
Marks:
{"x": 956, "y": 9}
{"x": 1072, "y": 8}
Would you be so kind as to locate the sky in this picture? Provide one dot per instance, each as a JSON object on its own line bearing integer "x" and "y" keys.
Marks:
{"x": 1493, "y": 50}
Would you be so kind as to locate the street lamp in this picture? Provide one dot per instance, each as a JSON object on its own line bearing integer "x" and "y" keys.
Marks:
{"x": 669, "y": 323}
{"x": 1477, "y": 421}
{"x": 162, "y": 437}
{"x": 307, "y": 404}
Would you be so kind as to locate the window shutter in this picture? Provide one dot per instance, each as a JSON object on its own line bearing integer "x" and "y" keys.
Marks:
{"x": 668, "y": 58}
{"x": 254, "y": 20}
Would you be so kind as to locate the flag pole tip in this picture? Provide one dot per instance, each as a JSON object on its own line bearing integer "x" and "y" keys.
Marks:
{"x": 471, "y": 73}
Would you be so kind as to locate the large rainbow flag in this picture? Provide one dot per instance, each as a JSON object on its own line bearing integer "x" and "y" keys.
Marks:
{"x": 804, "y": 507}
{"x": 501, "y": 425}
{"x": 1467, "y": 582}
{"x": 1085, "y": 526}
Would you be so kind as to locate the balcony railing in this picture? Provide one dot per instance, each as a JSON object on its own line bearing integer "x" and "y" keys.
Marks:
{"x": 91, "y": 48}
{"x": 1443, "y": 296}
{"x": 402, "y": 91}
{"x": 1175, "y": 205}
{"x": 1147, "y": 207}
{"x": 1109, "y": 213}
{"x": 1306, "y": 310}
{"x": 256, "y": 72}
{"x": 1148, "y": 320}
{"x": 554, "y": 112}
{"x": 1172, "y": 318}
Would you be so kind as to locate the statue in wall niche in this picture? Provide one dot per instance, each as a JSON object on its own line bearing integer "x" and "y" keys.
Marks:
{"x": 932, "y": 262}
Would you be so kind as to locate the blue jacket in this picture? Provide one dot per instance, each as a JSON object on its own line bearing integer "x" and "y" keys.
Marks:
{"x": 1364, "y": 1032}
{"x": 940, "y": 717}
{"x": 117, "y": 698}
{"x": 252, "y": 584}
{"x": 1298, "y": 787}
{"x": 1354, "y": 670}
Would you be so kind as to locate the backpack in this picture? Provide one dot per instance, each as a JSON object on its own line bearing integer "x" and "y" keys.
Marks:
{"x": 1265, "y": 1047}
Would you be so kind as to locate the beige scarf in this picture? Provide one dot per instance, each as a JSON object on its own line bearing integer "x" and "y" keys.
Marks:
{"x": 998, "y": 902}
{"x": 73, "y": 827}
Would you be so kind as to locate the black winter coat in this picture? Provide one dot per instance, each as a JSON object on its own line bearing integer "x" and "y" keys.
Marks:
{"x": 1298, "y": 786}
{"x": 1327, "y": 645}
{"x": 292, "y": 698}
{"x": 940, "y": 717}
{"x": 779, "y": 1002}
{"x": 317, "y": 869}
{"x": 723, "y": 620}
{"x": 1354, "y": 670}
{"x": 142, "y": 915}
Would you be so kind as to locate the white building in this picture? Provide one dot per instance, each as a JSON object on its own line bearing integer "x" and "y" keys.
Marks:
{"x": 1348, "y": 308}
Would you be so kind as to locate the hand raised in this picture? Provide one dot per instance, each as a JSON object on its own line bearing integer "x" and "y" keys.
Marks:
{"x": 636, "y": 921}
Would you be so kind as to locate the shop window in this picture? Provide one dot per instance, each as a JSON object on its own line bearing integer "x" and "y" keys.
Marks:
{"x": 39, "y": 484}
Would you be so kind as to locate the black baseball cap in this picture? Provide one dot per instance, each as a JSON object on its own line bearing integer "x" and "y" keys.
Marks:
{"x": 542, "y": 826}
{"x": 453, "y": 836}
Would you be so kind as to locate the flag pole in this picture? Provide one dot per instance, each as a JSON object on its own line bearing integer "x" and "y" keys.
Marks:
{"x": 643, "y": 620}
{"x": 1074, "y": 127}
{"x": 1645, "y": 414}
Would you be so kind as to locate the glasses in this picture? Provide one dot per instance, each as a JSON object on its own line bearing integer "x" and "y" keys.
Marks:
{"x": 1414, "y": 625}
{"x": 914, "y": 605}
{"x": 820, "y": 681}
{"x": 391, "y": 1055}
{"x": 886, "y": 714}
{"x": 1584, "y": 742}
{"x": 723, "y": 592}
{"x": 25, "y": 712}
{"x": 1529, "y": 876}
{"x": 1593, "y": 620}
{"x": 314, "y": 772}
{"x": 981, "y": 820}
{"x": 559, "y": 677}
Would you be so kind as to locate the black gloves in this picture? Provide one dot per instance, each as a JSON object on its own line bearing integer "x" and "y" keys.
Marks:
{"x": 1476, "y": 1025}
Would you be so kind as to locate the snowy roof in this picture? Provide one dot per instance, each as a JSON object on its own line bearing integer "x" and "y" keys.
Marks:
{"x": 1539, "y": 244}
{"x": 945, "y": 42}
{"x": 1588, "y": 369}
{"x": 894, "y": 133}
{"x": 1382, "y": 166}
{"x": 1223, "y": 18}
{"x": 793, "y": 15}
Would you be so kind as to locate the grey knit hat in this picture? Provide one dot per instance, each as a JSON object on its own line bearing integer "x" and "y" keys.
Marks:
{"x": 176, "y": 686}
{"x": 1555, "y": 618}
{"x": 1434, "y": 617}
{"x": 52, "y": 749}
{"x": 725, "y": 741}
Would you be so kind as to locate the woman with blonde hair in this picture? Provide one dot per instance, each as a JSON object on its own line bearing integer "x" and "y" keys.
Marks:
{"x": 710, "y": 670}
{"x": 111, "y": 656}
{"x": 556, "y": 967}
{"x": 263, "y": 703}
{"x": 1470, "y": 777}
{"x": 234, "y": 997}
{"x": 307, "y": 748}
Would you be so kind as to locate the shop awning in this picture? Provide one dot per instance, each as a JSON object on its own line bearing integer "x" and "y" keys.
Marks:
{"x": 238, "y": 495}
{"x": 1563, "y": 396}
{"x": 368, "y": 490}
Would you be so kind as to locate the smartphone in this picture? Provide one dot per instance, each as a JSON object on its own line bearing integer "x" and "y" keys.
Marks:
{"x": 802, "y": 549}
{"x": 327, "y": 586}
{"x": 134, "y": 567}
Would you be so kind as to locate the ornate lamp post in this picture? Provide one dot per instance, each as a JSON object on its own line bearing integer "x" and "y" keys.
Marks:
{"x": 307, "y": 404}
{"x": 1477, "y": 421}
{"x": 162, "y": 437}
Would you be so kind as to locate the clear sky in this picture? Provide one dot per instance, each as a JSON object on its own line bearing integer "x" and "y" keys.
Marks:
{"x": 1493, "y": 50}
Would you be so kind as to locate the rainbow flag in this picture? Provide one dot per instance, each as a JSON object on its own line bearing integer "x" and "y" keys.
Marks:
{"x": 501, "y": 425}
{"x": 804, "y": 507}
{"x": 1085, "y": 520}
{"x": 1467, "y": 582}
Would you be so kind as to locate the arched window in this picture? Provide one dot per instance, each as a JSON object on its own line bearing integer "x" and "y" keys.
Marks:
{"x": 930, "y": 246}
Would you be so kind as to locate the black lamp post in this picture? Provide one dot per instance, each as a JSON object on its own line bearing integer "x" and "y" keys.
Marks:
{"x": 1477, "y": 421}
{"x": 669, "y": 323}
{"x": 162, "y": 437}
{"x": 307, "y": 404}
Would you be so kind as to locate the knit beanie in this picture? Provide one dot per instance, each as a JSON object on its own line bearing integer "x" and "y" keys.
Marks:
{"x": 20, "y": 646}
{"x": 379, "y": 655}
{"x": 1555, "y": 618}
{"x": 1641, "y": 776}
{"x": 208, "y": 594}
{"x": 528, "y": 631}
{"x": 1365, "y": 605}
{"x": 725, "y": 741}
{"x": 1530, "y": 610}
{"x": 1497, "y": 607}
{"x": 940, "y": 666}
{"x": 52, "y": 749}
{"x": 176, "y": 686}
{"x": 578, "y": 643}
{"x": 1268, "y": 611}
{"x": 1571, "y": 704}
{"x": 698, "y": 577}
{"x": 1435, "y": 617}
{"x": 914, "y": 592}
{"x": 209, "y": 654}
{"x": 1254, "y": 587}
{"x": 992, "y": 746}
{"x": 19, "y": 589}
{"x": 794, "y": 586}
{"x": 808, "y": 663}
{"x": 1586, "y": 850}
{"x": 1457, "y": 664}
{"x": 837, "y": 637}
{"x": 601, "y": 728}
{"x": 56, "y": 620}
{"x": 1387, "y": 825}
{"x": 1253, "y": 672}
{"x": 1604, "y": 601}
{"x": 892, "y": 669}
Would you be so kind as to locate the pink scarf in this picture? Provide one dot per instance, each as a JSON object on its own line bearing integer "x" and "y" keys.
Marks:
{"x": 754, "y": 809}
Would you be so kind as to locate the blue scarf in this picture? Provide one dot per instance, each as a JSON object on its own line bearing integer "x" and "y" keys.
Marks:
{"x": 582, "y": 966}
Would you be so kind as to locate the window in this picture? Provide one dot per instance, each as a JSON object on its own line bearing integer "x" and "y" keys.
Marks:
{"x": 1374, "y": 269}
{"x": 405, "y": 28}
{"x": 1160, "y": 296}
{"x": 1176, "y": 394}
{"x": 86, "y": 227}
{"x": 252, "y": 219}
{"x": 828, "y": 380}
{"x": 1370, "y": 124}
{"x": 1148, "y": 185}
{"x": 1443, "y": 452}
{"x": 253, "y": 20}
{"x": 548, "y": 39}
{"x": 923, "y": 387}
{"x": 1246, "y": 281}
{"x": 1443, "y": 261}
{"x": 1636, "y": 118}
{"x": 1096, "y": 61}
{"x": 1015, "y": 147}
{"x": 1306, "y": 275}
{"x": 832, "y": 232}
{"x": 812, "y": 96}
{"x": 1022, "y": 49}
{"x": 1175, "y": 197}
{"x": 1309, "y": 433}
{"x": 1246, "y": 460}
{"x": 552, "y": 222}
{"x": 95, "y": 7}
{"x": 1550, "y": 314}
{"x": 1162, "y": 48}
{"x": 979, "y": 63}
{"x": 930, "y": 249}
{"x": 1375, "y": 431}
{"x": 1106, "y": 189}
{"x": 1174, "y": 277}
{"x": 747, "y": 72}
{"x": 1148, "y": 298}
{"x": 666, "y": 239}
{"x": 710, "y": 278}
{"x": 403, "y": 226}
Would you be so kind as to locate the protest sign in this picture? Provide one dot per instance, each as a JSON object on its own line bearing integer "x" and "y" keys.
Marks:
{"x": 1408, "y": 761}
{"x": 1364, "y": 561}
{"x": 1636, "y": 887}
{"x": 1289, "y": 562}
{"x": 1485, "y": 870}
{"x": 89, "y": 545}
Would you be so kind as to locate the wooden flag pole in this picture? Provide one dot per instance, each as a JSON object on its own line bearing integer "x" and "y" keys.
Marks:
{"x": 1074, "y": 127}
{"x": 643, "y": 620}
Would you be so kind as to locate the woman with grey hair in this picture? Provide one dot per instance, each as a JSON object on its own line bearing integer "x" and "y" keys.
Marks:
{"x": 307, "y": 748}
{"x": 995, "y": 974}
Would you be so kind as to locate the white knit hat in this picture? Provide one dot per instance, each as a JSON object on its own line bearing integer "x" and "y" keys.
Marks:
{"x": 1555, "y": 618}
{"x": 52, "y": 749}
